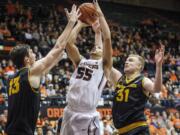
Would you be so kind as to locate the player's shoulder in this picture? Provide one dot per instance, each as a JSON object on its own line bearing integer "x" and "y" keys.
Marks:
{"x": 146, "y": 79}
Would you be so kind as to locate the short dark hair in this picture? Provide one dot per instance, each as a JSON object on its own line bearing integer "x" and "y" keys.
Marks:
{"x": 18, "y": 53}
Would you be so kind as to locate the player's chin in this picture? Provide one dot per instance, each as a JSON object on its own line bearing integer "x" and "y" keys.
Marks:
{"x": 96, "y": 56}
{"x": 126, "y": 70}
{"x": 33, "y": 61}
{"x": 96, "y": 53}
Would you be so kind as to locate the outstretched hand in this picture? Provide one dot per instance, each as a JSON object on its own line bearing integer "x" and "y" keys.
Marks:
{"x": 74, "y": 14}
{"x": 79, "y": 22}
{"x": 159, "y": 55}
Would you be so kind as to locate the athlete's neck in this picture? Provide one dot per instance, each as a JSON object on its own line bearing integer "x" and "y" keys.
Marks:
{"x": 132, "y": 76}
{"x": 94, "y": 57}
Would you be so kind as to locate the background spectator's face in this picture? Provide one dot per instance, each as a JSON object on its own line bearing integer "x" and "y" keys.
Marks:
{"x": 35, "y": 49}
{"x": 164, "y": 115}
{"x": 10, "y": 63}
{"x": 5, "y": 113}
{"x": 177, "y": 115}
{"x": 49, "y": 133}
{"x": 50, "y": 87}
{"x": 39, "y": 131}
{"x": 57, "y": 87}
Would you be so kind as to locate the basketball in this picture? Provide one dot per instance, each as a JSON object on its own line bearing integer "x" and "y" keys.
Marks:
{"x": 88, "y": 13}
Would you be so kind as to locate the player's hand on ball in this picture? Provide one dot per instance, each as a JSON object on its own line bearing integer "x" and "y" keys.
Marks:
{"x": 98, "y": 9}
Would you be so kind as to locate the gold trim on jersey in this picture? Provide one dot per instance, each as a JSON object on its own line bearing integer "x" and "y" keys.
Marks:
{"x": 129, "y": 80}
{"x": 22, "y": 68}
{"x": 30, "y": 83}
{"x": 131, "y": 126}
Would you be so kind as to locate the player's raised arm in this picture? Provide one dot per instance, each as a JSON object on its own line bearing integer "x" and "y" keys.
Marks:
{"x": 156, "y": 86}
{"x": 107, "y": 48}
{"x": 51, "y": 59}
{"x": 98, "y": 34}
{"x": 72, "y": 50}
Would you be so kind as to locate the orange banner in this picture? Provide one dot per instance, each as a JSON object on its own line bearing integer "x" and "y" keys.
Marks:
{"x": 56, "y": 112}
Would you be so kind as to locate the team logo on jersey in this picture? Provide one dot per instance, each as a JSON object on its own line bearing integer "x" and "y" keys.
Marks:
{"x": 92, "y": 66}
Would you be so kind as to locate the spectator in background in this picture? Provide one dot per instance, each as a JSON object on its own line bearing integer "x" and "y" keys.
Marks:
{"x": 107, "y": 128}
{"x": 39, "y": 131}
{"x": 50, "y": 90}
{"x": 101, "y": 124}
{"x": 173, "y": 76}
{"x": 11, "y": 8}
{"x": 176, "y": 122}
{"x": 9, "y": 69}
{"x": 59, "y": 125}
{"x": 49, "y": 132}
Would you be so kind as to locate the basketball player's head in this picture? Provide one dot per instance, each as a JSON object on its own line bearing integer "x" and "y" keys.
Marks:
{"x": 96, "y": 52}
{"x": 134, "y": 63}
{"x": 22, "y": 56}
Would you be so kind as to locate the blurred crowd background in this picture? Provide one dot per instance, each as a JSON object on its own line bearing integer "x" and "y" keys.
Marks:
{"x": 139, "y": 30}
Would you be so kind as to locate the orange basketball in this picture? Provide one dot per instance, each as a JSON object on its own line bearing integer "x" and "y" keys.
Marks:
{"x": 88, "y": 13}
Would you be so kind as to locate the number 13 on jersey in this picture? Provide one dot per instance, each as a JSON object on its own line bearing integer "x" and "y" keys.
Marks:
{"x": 14, "y": 86}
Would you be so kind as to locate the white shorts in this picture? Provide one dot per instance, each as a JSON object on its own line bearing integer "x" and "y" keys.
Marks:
{"x": 78, "y": 123}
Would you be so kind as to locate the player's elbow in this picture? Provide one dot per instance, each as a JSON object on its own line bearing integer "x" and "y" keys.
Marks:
{"x": 107, "y": 37}
{"x": 157, "y": 89}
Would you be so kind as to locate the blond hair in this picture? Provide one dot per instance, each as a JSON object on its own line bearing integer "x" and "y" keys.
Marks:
{"x": 140, "y": 58}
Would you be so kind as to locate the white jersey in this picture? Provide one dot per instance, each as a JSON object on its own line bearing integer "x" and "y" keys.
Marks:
{"x": 86, "y": 85}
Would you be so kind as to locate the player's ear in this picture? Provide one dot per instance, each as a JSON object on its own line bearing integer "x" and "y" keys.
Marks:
{"x": 139, "y": 66}
{"x": 26, "y": 60}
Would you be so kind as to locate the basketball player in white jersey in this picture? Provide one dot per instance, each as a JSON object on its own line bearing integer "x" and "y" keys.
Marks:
{"x": 87, "y": 81}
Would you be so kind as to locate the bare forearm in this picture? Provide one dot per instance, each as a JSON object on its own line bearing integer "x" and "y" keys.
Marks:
{"x": 98, "y": 39}
{"x": 64, "y": 37}
{"x": 107, "y": 47}
{"x": 71, "y": 49}
{"x": 53, "y": 56}
{"x": 158, "y": 79}
{"x": 105, "y": 28}
{"x": 55, "y": 62}
{"x": 45, "y": 63}
{"x": 62, "y": 41}
{"x": 74, "y": 33}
